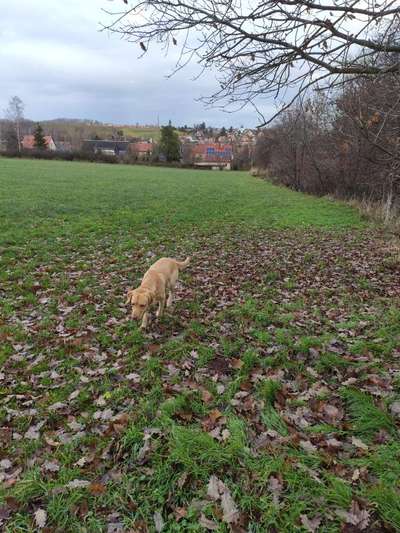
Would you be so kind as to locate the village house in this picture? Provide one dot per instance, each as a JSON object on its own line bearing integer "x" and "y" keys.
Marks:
{"x": 63, "y": 146}
{"x": 208, "y": 155}
{"x": 142, "y": 150}
{"x": 28, "y": 142}
{"x": 106, "y": 147}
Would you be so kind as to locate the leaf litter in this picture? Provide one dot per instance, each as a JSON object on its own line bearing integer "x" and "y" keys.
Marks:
{"x": 309, "y": 298}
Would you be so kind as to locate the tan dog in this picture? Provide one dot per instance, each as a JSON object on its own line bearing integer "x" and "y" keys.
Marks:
{"x": 160, "y": 278}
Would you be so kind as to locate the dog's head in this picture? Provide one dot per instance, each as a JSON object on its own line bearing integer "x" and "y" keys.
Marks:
{"x": 140, "y": 300}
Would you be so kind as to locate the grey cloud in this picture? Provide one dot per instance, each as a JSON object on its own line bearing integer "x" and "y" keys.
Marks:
{"x": 55, "y": 58}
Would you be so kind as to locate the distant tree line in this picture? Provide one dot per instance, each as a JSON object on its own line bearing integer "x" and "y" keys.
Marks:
{"x": 346, "y": 144}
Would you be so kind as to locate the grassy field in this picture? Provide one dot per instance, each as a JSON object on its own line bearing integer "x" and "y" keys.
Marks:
{"x": 268, "y": 400}
{"x": 146, "y": 133}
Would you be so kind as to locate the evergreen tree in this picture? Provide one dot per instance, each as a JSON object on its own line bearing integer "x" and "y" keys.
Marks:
{"x": 222, "y": 133}
{"x": 169, "y": 143}
{"x": 40, "y": 142}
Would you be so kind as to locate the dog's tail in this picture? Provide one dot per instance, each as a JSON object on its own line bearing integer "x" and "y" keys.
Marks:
{"x": 183, "y": 264}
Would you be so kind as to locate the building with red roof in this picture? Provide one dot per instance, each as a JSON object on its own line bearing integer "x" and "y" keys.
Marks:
{"x": 28, "y": 142}
{"x": 141, "y": 149}
{"x": 209, "y": 154}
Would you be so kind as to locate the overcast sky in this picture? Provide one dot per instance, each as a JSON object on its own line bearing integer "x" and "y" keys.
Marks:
{"x": 54, "y": 57}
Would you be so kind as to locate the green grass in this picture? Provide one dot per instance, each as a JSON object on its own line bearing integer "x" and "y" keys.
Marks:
{"x": 41, "y": 199}
{"x": 367, "y": 419}
{"x": 146, "y": 133}
{"x": 282, "y": 343}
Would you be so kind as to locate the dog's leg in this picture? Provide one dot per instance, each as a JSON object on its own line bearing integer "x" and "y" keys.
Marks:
{"x": 161, "y": 306}
{"x": 172, "y": 284}
{"x": 145, "y": 321}
{"x": 170, "y": 297}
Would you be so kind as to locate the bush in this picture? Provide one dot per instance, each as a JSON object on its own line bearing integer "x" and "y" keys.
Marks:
{"x": 348, "y": 147}
{"x": 76, "y": 155}
{"x": 83, "y": 155}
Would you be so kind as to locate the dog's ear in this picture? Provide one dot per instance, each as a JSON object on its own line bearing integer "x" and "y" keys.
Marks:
{"x": 129, "y": 296}
{"x": 150, "y": 296}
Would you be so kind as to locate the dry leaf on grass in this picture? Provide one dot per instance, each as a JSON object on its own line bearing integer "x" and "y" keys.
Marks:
{"x": 96, "y": 489}
{"x": 356, "y": 516}
{"x": 32, "y": 433}
{"x": 5, "y": 464}
{"x": 144, "y": 452}
{"x": 180, "y": 512}
{"x": 217, "y": 490}
{"x": 213, "y": 488}
{"x": 231, "y": 512}
{"x": 207, "y": 523}
{"x": 275, "y": 486}
{"x": 77, "y": 484}
{"x": 158, "y": 521}
{"x": 310, "y": 524}
{"x": 308, "y": 446}
{"x": 206, "y": 396}
{"x": 40, "y": 518}
{"x": 395, "y": 409}
{"x": 51, "y": 466}
{"x": 359, "y": 444}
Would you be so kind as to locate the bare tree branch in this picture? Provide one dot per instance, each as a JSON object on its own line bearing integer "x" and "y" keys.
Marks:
{"x": 263, "y": 48}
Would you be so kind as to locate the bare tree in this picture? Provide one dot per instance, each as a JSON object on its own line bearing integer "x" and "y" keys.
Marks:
{"x": 262, "y": 48}
{"x": 15, "y": 114}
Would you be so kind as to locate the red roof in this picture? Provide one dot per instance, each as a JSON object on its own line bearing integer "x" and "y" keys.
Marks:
{"x": 28, "y": 142}
{"x": 142, "y": 146}
{"x": 213, "y": 152}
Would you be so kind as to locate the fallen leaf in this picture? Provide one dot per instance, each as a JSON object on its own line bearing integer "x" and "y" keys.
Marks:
{"x": 332, "y": 413}
{"x": 206, "y": 396}
{"x": 40, "y": 518}
{"x": 4, "y": 513}
{"x": 225, "y": 434}
{"x": 96, "y": 489}
{"x": 180, "y": 512}
{"x": 74, "y": 394}
{"x": 153, "y": 348}
{"x": 275, "y": 486}
{"x": 51, "y": 466}
{"x": 182, "y": 480}
{"x": 158, "y": 521}
{"x": 32, "y": 433}
{"x": 5, "y": 464}
{"x": 359, "y": 443}
{"x": 144, "y": 452}
{"x": 310, "y": 524}
{"x": 56, "y": 406}
{"x": 213, "y": 488}
{"x": 215, "y": 433}
{"x": 133, "y": 377}
{"x": 77, "y": 484}
{"x": 333, "y": 443}
{"x": 231, "y": 512}
{"x": 356, "y": 516}
{"x": 308, "y": 446}
{"x": 207, "y": 523}
{"x": 395, "y": 409}
{"x": 214, "y": 415}
{"x": 220, "y": 388}
{"x": 81, "y": 462}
